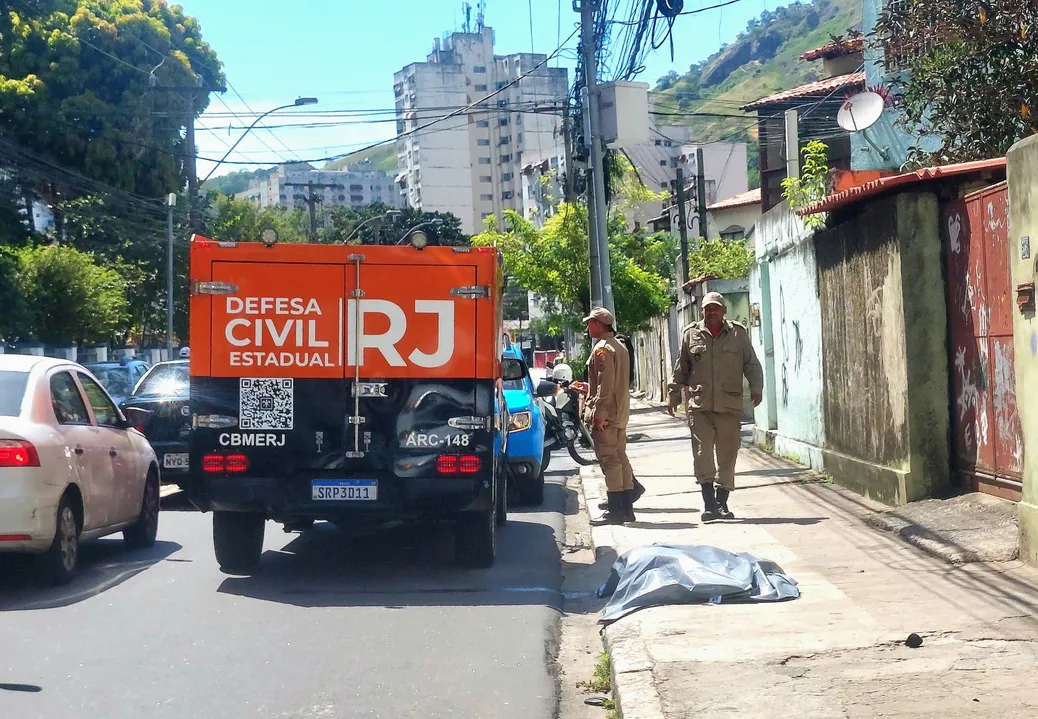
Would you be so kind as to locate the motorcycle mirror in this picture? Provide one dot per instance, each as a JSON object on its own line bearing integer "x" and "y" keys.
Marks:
{"x": 546, "y": 389}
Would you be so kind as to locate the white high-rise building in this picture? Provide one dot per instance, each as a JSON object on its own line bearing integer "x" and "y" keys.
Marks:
{"x": 355, "y": 186}
{"x": 470, "y": 164}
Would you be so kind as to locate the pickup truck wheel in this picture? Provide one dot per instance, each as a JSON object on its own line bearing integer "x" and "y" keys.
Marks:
{"x": 238, "y": 541}
{"x": 501, "y": 515}
{"x": 532, "y": 493}
{"x": 475, "y": 540}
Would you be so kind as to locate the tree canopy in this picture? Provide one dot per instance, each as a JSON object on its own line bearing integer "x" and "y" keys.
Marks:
{"x": 971, "y": 73}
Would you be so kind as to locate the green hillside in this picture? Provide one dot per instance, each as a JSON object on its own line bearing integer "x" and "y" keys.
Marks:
{"x": 382, "y": 157}
{"x": 233, "y": 182}
{"x": 762, "y": 60}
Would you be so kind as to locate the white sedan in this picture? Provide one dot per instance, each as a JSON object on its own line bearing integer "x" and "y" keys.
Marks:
{"x": 71, "y": 465}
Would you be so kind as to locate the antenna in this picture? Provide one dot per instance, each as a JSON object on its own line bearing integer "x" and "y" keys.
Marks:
{"x": 860, "y": 112}
{"x": 467, "y": 9}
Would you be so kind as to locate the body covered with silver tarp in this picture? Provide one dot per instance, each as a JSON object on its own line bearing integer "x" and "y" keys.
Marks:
{"x": 688, "y": 574}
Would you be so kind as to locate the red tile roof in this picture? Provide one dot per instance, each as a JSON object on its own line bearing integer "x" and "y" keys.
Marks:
{"x": 875, "y": 187}
{"x": 811, "y": 89}
{"x": 751, "y": 197}
{"x": 835, "y": 49}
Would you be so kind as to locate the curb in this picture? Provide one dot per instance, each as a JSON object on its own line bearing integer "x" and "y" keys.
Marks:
{"x": 634, "y": 688}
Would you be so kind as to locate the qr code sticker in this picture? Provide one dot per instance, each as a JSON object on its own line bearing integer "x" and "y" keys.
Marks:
{"x": 266, "y": 404}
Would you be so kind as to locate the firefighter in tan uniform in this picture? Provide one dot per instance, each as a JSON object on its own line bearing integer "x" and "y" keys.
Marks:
{"x": 607, "y": 411}
{"x": 715, "y": 355}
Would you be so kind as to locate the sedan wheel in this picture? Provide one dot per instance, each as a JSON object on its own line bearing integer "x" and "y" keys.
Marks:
{"x": 142, "y": 533}
{"x": 60, "y": 562}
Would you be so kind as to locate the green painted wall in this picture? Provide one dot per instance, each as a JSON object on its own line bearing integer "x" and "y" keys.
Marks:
{"x": 1023, "y": 222}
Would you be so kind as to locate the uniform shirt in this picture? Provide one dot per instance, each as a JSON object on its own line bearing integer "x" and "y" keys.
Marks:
{"x": 713, "y": 367}
{"x": 608, "y": 370}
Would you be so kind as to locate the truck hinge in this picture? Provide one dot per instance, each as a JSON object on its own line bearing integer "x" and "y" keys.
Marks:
{"x": 471, "y": 292}
{"x": 471, "y": 422}
{"x": 213, "y": 288}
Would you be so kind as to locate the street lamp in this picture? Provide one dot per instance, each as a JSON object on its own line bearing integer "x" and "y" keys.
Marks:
{"x": 420, "y": 239}
{"x": 299, "y": 101}
{"x": 392, "y": 215}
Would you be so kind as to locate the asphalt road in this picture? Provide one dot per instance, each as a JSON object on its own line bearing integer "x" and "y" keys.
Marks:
{"x": 335, "y": 626}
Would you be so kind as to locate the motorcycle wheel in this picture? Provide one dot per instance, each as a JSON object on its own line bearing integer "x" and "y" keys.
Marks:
{"x": 582, "y": 449}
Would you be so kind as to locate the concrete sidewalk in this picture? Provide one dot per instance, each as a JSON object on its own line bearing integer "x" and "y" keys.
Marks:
{"x": 838, "y": 650}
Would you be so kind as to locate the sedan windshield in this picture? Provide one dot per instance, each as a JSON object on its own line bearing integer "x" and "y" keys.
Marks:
{"x": 165, "y": 381}
{"x": 12, "y": 390}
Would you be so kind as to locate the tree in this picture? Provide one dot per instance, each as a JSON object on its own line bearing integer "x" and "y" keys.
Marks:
{"x": 552, "y": 262}
{"x": 972, "y": 73}
{"x": 811, "y": 186}
{"x": 724, "y": 259}
{"x": 70, "y": 298}
{"x": 346, "y": 225}
{"x": 14, "y": 317}
{"x": 234, "y": 220}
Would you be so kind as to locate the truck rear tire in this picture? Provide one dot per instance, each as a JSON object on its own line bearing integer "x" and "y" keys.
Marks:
{"x": 475, "y": 538}
{"x": 238, "y": 541}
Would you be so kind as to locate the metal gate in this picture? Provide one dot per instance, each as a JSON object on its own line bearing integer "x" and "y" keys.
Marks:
{"x": 985, "y": 425}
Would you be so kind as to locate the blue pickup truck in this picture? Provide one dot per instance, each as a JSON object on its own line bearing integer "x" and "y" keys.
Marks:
{"x": 525, "y": 455}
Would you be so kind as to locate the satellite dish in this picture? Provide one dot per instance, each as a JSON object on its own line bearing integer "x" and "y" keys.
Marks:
{"x": 860, "y": 111}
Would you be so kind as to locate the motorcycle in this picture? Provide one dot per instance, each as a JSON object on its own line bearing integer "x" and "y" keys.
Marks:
{"x": 563, "y": 402}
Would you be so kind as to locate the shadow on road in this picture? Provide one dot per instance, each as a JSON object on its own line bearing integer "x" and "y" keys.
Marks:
{"x": 413, "y": 565}
{"x": 104, "y": 563}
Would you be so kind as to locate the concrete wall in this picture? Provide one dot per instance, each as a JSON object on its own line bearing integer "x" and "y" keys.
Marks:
{"x": 885, "y": 362}
{"x": 746, "y": 216}
{"x": 1023, "y": 222}
{"x": 791, "y": 415}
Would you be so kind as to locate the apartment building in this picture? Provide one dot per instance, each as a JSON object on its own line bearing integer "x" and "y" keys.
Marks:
{"x": 356, "y": 186}
{"x": 470, "y": 164}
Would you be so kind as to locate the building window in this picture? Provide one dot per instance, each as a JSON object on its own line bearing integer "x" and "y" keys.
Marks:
{"x": 506, "y": 158}
{"x": 482, "y": 123}
{"x": 503, "y": 122}
{"x": 483, "y": 142}
{"x": 502, "y": 103}
{"x": 659, "y": 142}
{"x": 486, "y": 198}
{"x": 486, "y": 178}
{"x": 481, "y": 88}
{"x": 284, "y": 197}
{"x": 356, "y": 188}
{"x": 663, "y": 163}
{"x": 554, "y": 162}
{"x": 342, "y": 198}
{"x": 506, "y": 176}
{"x": 479, "y": 68}
{"x": 506, "y": 139}
{"x": 356, "y": 198}
{"x": 735, "y": 234}
{"x": 668, "y": 143}
{"x": 519, "y": 137}
{"x": 500, "y": 84}
{"x": 485, "y": 215}
{"x": 506, "y": 195}
{"x": 484, "y": 160}
{"x": 519, "y": 120}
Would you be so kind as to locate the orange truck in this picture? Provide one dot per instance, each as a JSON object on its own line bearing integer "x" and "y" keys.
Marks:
{"x": 354, "y": 384}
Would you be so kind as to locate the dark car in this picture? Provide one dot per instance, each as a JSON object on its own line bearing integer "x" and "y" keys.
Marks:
{"x": 163, "y": 392}
{"x": 119, "y": 378}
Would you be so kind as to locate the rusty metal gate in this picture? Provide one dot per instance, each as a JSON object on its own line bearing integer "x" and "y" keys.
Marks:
{"x": 985, "y": 425}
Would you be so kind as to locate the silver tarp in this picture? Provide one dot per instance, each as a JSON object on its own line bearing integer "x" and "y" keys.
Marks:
{"x": 688, "y": 574}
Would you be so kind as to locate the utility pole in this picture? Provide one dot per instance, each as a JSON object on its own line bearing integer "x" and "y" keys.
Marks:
{"x": 171, "y": 201}
{"x": 194, "y": 217}
{"x": 312, "y": 200}
{"x": 596, "y": 187}
{"x": 683, "y": 226}
{"x": 701, "y": 193}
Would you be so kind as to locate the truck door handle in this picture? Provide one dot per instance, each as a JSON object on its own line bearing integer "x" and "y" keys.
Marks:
{"x": 78, "y": 450}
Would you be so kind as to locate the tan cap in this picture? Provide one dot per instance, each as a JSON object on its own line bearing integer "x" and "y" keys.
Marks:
{"x": 714, "y": 298}
{"x": 602, "y": 315}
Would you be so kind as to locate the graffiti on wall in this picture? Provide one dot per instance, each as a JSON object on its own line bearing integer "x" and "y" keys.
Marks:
{"x": 792, "y": 347}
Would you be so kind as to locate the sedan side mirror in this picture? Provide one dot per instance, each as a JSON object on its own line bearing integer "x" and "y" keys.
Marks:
{"x": 136, "y": 417}
{"x": 546, "y": 389}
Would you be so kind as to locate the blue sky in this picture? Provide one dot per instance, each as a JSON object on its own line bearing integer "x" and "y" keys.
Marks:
{"x": 345, "y": 52}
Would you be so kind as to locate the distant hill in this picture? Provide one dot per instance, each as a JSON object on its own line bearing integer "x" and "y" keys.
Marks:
{"x": 760, "y": 61}
{"x": 382, "y": 157}
{"x": 233, "y": 182}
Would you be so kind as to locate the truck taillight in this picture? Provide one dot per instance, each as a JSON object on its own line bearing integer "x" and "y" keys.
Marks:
{"x": 18, "y": 453}
{"x": 458, "y": 464}
{"x": 230, "y": 463}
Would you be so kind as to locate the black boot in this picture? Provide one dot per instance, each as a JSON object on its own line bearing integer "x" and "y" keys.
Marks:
{"x": 639, "y": 490}
{"x": 615, "y": 511}
{"x": 629, "y": 498}
{"x": 709, "y": 502}
{"x": 722, "y": 504}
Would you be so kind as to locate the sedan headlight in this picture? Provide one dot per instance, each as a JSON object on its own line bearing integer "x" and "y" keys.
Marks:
{"x": 520, "y": 421}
